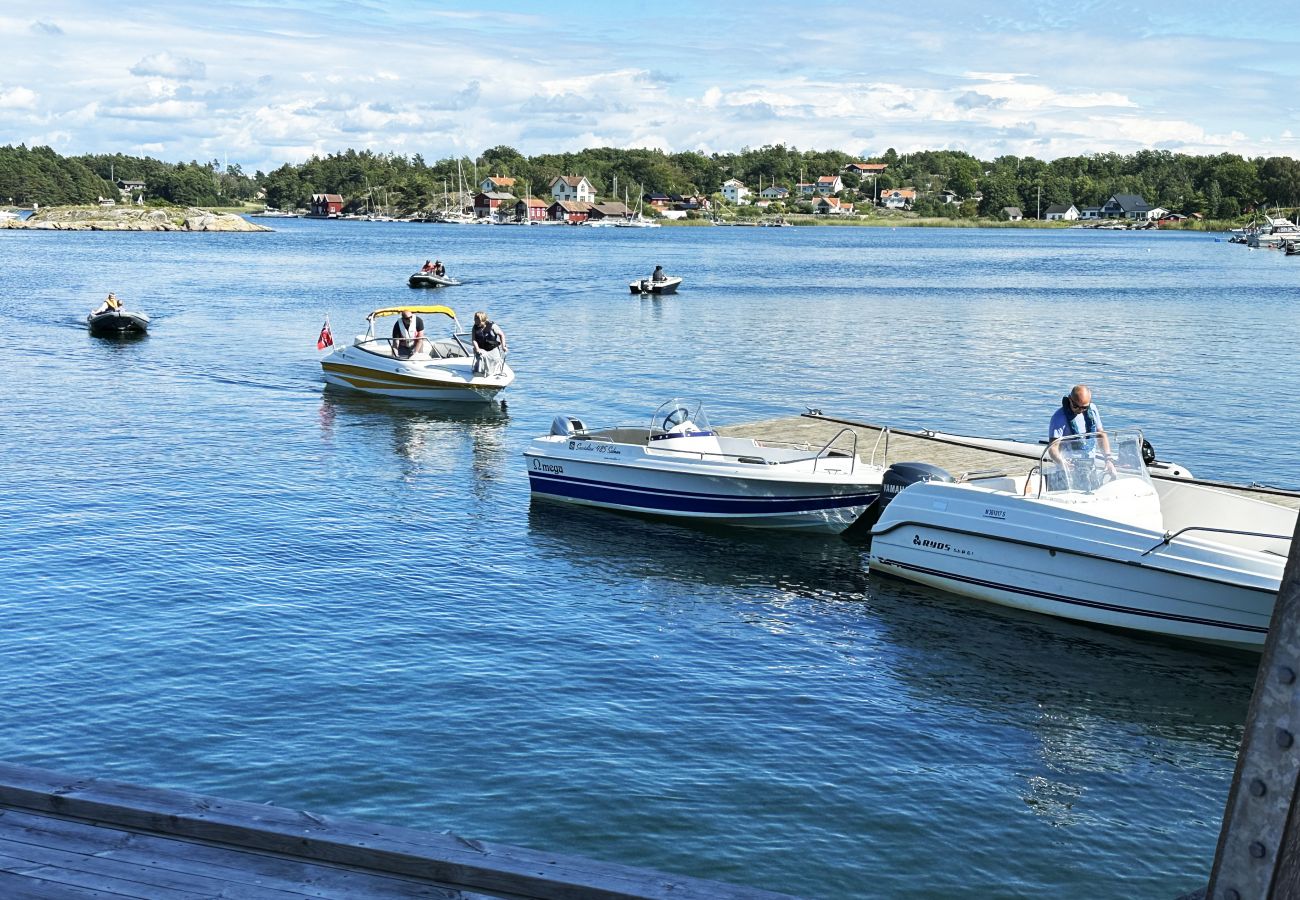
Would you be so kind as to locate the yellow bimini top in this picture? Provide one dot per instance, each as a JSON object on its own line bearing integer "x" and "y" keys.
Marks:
{"x": 418, "y": 310}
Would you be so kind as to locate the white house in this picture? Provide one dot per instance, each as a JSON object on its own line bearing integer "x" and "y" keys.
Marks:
{"x": 898, "y": 198}
{"x": 1090, "y": 212}
{"x": 735, "y": 191}
{"x": 1012, "y": 213}
{"x": 574, "y": 188}
{"x": 829, "y": 184}
{"x": 1061, "y": 212}
{"x": 774, "y": 192}
{"x": 1157, "y": 213}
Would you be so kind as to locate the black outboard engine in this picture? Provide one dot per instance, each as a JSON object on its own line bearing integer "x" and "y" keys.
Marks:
{"x": 897, "y": 477}
{"x": 1148, "y": 453}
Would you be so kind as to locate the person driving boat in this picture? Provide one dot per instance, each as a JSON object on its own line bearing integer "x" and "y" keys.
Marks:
{"x": 408, "y": 335}
{"x": 1076, "y": 467}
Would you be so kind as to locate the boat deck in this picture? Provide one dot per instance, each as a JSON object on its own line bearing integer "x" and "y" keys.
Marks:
{"x": 815, "y": 430}
{"x": 68, "y": 837}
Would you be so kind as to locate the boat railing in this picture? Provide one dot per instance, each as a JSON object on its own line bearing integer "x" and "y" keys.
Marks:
{"x": 1171, "y": 536}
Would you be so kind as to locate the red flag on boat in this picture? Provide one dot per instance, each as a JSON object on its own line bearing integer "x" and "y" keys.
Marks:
{"x": 326, "y": 338}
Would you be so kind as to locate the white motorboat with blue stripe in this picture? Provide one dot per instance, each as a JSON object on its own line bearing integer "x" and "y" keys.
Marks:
{"x": 1087, "y": 535}
{"x": 679, "y": 466}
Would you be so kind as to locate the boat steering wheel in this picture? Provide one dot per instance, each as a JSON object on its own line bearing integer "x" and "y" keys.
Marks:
{"x": 676, "y": 417}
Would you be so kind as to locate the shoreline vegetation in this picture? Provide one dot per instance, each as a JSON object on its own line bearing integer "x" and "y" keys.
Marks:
{"x": 936, "y": 188}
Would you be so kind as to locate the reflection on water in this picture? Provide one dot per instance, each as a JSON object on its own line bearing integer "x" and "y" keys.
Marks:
{"x": 1095, "y": 701}
{"x": 424, "y": 434}
{"x": 611, "y": 548}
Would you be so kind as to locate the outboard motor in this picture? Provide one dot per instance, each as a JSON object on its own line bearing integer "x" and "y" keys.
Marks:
{"x": 897, "y": 477}
{"x": 1148, "y": 453}
{"x": 567, "y": 426}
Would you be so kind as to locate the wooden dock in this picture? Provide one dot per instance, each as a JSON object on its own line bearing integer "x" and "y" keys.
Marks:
{"x": 68, "y": 837}
{"x": 814, "y": 430}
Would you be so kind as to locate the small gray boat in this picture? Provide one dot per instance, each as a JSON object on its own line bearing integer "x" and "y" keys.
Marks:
{"x": 429, "y": 280}
{"x": 117, "y": 322}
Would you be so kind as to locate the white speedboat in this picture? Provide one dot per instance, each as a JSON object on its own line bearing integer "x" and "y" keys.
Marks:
{"x": 436, "y": 369}
{"x": 1089, "y": 536}
{"x": 679, "y": 466}
{"x": 655, "y": 285}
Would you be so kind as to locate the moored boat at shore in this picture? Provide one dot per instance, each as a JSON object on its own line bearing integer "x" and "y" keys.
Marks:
{"x": 1087, "y": 535}
{"x": 678, "y": 466}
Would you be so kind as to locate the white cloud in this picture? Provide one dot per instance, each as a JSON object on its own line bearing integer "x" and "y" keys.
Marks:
{"x": 165, "y": 65}
{"x": 18, "y": 98}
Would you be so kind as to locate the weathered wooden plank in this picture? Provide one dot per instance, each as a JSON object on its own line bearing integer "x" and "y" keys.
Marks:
{"x": 23, "y": 887}
{"x": 112, "y": 875}
{"x": 446, "y": 859}
{"x": 244, "y": 872}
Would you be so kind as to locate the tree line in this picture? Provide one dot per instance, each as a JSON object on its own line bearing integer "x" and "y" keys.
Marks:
{"x": 1222, "y": 186}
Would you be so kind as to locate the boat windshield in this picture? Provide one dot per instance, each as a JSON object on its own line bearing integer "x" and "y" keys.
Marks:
{"x": 1085, "y": 462}
{"x": 679, "y": 417}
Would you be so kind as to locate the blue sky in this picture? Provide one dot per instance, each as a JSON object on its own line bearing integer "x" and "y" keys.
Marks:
{"x": 262, "y": 83}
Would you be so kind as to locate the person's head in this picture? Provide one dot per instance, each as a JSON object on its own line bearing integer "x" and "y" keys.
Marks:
{"x": 437, "y": 262}
{"x": 1080, "y": 398}
{"x": 112, "y": 296}
{"x": 480, "y": 317}
{"x": 406, "y": 315}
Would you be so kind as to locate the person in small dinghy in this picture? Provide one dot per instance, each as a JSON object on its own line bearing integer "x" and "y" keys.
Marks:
{"x": 489, "y": 346}
{"x": 1076, "y": 415}
{"x": 659, "y": 274}
{"x": 408, "y": 334}
{"x": 111, "y": 303}
{"x": 427, "y": 268}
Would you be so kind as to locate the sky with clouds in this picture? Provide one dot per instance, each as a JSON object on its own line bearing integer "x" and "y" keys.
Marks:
{"x": 264, "y": 82}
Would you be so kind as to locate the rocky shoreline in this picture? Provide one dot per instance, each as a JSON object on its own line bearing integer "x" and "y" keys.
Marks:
{"x": 132, "y": 218}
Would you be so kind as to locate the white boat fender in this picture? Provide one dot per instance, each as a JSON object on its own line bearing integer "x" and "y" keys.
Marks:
{"x": 567, "y": 426}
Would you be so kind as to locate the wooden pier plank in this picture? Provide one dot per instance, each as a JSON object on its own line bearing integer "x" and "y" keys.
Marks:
{"x": 242, "y": 873}
{"x": 442, "y": 859}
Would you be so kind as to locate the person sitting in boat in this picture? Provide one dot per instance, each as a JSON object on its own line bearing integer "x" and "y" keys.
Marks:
{"x": 408, "y": 334}
{"x": 427, "y": 268}
{"x": 489, "y": 346}
{"x": 1075, "y": 416}
{"x": 439, "y": 269}
{"x": 111, "y": 303}
{"x": 659, "y": 274}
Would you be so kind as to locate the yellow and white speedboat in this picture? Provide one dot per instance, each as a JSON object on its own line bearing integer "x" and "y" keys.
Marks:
{"x": 435, "y": 369}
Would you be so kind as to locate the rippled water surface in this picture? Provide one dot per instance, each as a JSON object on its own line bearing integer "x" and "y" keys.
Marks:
{"x": 218, "y": 577}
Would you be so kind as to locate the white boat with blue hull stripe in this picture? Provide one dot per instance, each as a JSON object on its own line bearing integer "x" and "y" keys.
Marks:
{"x": 1088, "y": 535}
{"x": 679, "y": 466}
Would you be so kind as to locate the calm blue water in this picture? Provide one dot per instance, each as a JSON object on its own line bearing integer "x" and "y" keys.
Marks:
{"x": 217, "y": 577}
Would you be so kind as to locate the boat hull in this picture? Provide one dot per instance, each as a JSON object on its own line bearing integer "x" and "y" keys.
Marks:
{"x": 646, "y": 286}
{"x": 421, "y": 380}
{"x": 423, "y": 280}
{"x": 115, "y": 323}
{"x": 1077, "y": 567}
{"x": 718, "y": 494}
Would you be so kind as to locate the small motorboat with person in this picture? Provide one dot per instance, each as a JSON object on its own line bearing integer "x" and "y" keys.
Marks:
{"x": 1086, "y": 534}
{"x": 659, "y": 282}
{"x": 679, "y": 466}
{"x": 432, "y": 275}
{"x": 112, "y": 319}
{"x": 408, "y": 363}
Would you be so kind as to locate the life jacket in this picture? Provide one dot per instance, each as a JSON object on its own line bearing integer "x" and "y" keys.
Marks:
{"x": 1089, "y": 418}
{"x": 486, "y": 335}
{"x": 113, "y": 303}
